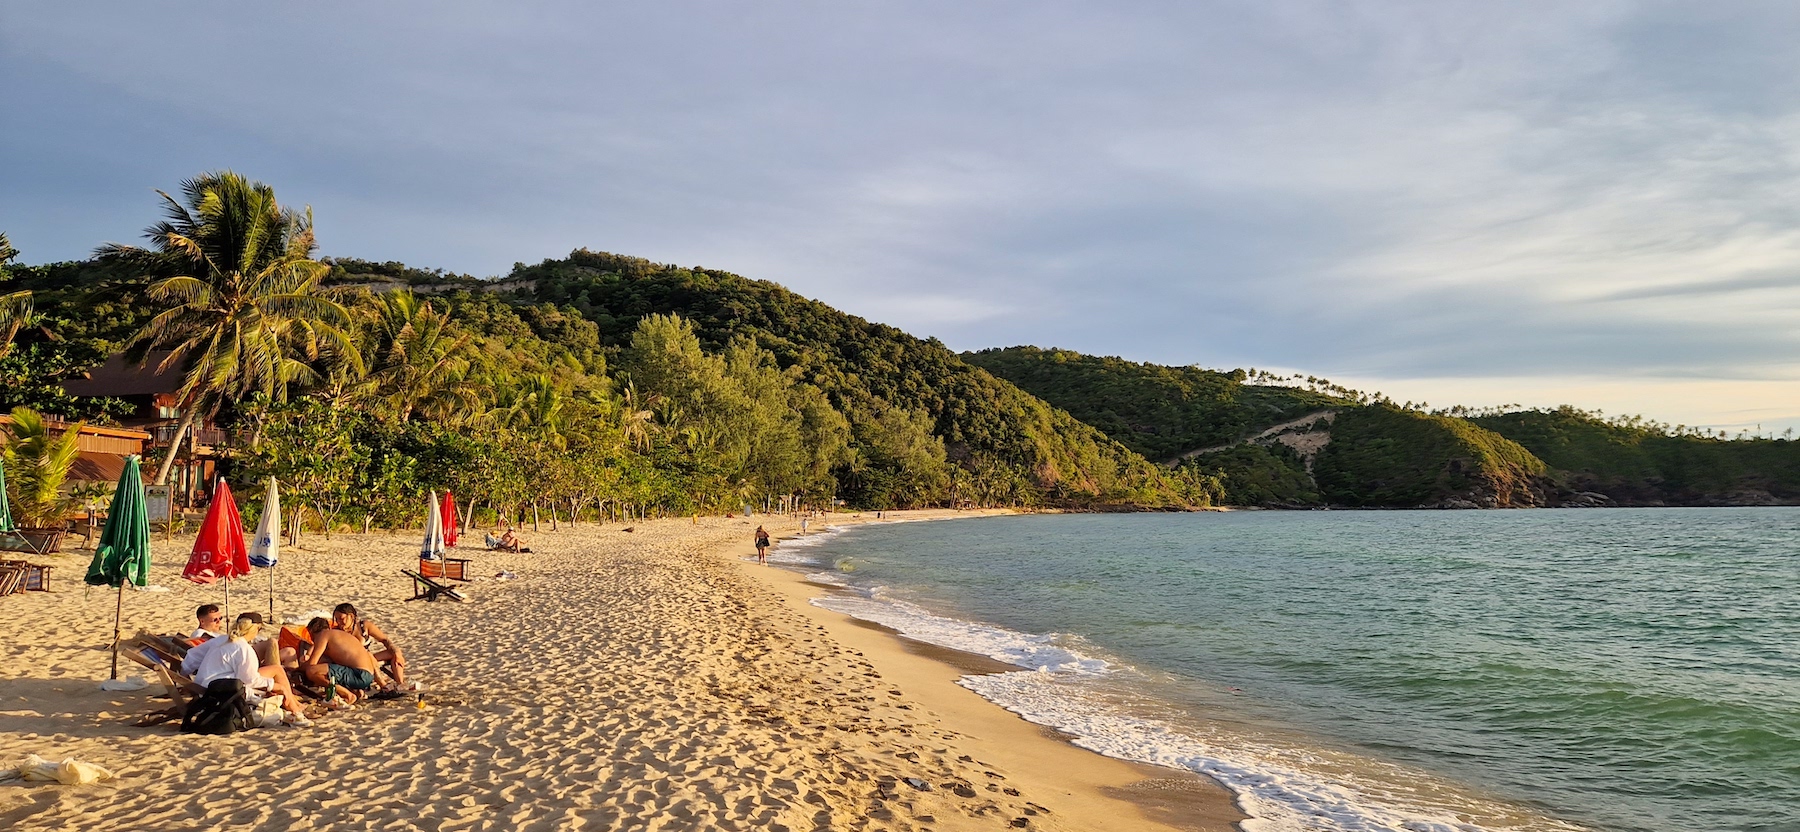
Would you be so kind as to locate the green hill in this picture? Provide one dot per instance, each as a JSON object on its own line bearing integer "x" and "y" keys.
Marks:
{"x": 1380, "y": 455}
{"x": 1000, "y": 439}
{"x": 1260, "y": 442}
{"x": 1160, "y": 412}
{"x": 1637, "y": 464}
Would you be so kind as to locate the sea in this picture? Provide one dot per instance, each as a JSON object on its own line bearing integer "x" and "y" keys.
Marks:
{"x": 1613, "y": 670}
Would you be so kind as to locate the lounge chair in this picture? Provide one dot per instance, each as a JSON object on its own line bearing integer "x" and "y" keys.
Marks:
{"x": 152, "y": 652}
{"x": 12, "y": 579}
{"x": 455, "y": 569}
{"x": 427, "y": 589}
{"x": 36, "y": 575}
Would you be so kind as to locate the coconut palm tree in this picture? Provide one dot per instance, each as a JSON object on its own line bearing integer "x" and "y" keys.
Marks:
{"x": 421, "y": 361}
{"x": 245, "y": 310}
{"x": 15, "y": 307}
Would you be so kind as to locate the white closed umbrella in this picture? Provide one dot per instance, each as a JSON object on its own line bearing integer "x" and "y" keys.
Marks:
{"x": 433, "y": 547}
{"x": 266, "y": 549}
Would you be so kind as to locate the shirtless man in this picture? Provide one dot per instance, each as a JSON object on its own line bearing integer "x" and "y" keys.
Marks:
{"x": 345, "y": 617}
{"x": 338, "y": 659}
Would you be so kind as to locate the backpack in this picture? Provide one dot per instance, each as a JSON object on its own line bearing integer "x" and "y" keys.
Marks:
{"x": 222, "y": 709}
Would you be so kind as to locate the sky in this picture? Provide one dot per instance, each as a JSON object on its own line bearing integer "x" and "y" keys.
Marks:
{"x": 1473, "y": 203}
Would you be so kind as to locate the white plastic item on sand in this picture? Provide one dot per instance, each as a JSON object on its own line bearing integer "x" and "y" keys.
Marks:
{"x": 127, "y": 683}
{"x": 70, "y": 772}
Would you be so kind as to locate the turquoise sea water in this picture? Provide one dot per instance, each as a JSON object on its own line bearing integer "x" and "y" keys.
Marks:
{"x": 1554, "y": 669}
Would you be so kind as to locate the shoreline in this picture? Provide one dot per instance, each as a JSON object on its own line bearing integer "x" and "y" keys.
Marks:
{"x": 1094, "y": 790}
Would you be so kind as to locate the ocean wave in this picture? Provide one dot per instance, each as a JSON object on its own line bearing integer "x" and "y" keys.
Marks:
{"x": 1039, "y": 652}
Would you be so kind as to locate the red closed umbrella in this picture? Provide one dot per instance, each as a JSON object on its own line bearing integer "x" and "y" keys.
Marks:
{"x": 451, "y": 521}
{"x": 219, "y": 552}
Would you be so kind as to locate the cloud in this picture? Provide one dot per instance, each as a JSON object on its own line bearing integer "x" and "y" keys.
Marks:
{"x": 1385, "y": 190}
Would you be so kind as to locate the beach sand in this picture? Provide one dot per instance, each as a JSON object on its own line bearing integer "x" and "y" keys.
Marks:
{"x": 641, "y": 680}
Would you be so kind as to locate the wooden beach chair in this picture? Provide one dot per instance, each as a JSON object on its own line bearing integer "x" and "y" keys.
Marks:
{"x": 151, "y": 652}
{"x": 430, "y": 590}
{"x": 455, "y": 569}
{"x": 12, "y": 579}
{"x": 36, "y": 575}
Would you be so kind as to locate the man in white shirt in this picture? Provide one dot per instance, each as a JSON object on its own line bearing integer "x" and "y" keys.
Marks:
{"x": 212, "y": 623}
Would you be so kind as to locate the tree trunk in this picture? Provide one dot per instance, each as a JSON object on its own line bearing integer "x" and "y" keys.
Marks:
{"x": 168, "y": 463}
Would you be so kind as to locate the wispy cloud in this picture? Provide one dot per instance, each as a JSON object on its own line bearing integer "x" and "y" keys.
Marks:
{"x": 1382, "y": 190}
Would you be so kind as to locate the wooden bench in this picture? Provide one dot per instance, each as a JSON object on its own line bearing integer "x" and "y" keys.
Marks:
{"x": 455, "y": 569}
{"x": 426, "y": 589}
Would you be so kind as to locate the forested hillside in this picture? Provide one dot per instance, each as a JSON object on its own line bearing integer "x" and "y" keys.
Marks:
{"x": 1635, "y": 463}
{"x": 1160, "y": 412}
{"x": 896, "y": 391}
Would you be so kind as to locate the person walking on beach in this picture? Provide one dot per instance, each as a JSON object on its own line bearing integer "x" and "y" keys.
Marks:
{"x": 762, "y": 546}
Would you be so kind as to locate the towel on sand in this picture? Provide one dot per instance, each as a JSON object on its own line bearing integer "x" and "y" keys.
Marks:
{"x": 70, "y": 772}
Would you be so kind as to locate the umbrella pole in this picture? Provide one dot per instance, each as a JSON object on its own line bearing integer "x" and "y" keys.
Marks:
{"x": 118, "y": 613}
{"x": 271, "y": 593}
{"x": 227, "y": 602}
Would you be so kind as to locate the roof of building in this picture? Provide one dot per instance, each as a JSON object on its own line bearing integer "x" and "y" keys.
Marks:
{"x": 118, "y": 377}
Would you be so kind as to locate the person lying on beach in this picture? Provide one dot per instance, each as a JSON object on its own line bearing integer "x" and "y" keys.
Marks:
{"x": 379, "y": 644}
{"x": 234, "y": 657}
{"x": 338, "y": 659}
{"x": 212, "y": 622}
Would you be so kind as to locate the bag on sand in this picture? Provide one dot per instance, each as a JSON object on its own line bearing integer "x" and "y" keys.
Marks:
{"x": 222, "y": 709}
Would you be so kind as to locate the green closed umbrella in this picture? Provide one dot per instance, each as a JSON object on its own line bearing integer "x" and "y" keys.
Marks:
{"x": 6, "y": 521}
{"x": 124, "y": 551}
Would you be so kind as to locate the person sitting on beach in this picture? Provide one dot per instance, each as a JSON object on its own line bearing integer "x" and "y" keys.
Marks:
{"x": 338, "y": 660}
{"x": 379, "y": 644}
{"x": 234, "y": 657}
{"x": 212, "y": 623}
{"x": 511, "y": 541}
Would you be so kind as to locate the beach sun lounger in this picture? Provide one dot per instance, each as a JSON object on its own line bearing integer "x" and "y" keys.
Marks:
{"x": 430, "y": 590}
{"x": 455, "y": 569}
{"x": 33, "y": 577}
{"x": 153, "y": 653}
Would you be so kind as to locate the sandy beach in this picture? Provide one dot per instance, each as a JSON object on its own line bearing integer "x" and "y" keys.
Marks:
{"x": 651, "y": 679}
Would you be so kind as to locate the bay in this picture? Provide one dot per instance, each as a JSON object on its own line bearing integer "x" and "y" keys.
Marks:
{"x": 1618, "y": 670}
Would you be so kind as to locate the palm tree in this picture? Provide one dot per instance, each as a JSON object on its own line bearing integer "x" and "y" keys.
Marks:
{"x": 421, "y": 361}
{"x": 636, "y": 415}
{"x": 15, "y": 307}
{"x": 247, "y": 312}
{"x": 37, "y": 463}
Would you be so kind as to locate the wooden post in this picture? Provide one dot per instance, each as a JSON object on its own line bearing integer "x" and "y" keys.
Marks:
{"x": 118, "y": 613}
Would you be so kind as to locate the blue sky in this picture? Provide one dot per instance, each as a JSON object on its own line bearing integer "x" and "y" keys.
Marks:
{"x": 1477, "y": 203}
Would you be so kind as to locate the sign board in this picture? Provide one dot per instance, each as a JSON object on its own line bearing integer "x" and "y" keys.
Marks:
{"x": 156, "y": 501}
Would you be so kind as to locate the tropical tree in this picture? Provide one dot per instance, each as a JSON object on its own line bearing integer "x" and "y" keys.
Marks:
{"x": 245, "y": 310}
{"x": 421, "y": 361}
{"x": 37, "y": 463}
{"x": 15, "y": 307}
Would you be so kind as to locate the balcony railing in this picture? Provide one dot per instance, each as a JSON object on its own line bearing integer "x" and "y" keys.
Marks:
{"x": 162, "y": 435}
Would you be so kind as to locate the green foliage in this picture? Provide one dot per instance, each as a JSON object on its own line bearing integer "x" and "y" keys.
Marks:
{"x": 1648, "y": 464}
{"x": 1259, "y": 475}
{"x": 37, "y": 463}
{"x": 1382, "y": 455}
{"x": 1160, "y": 412}
{"x": 33, "y": 370}
{"x": 866, "y": 371}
